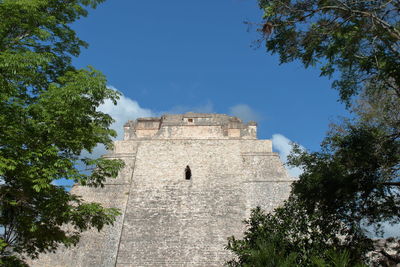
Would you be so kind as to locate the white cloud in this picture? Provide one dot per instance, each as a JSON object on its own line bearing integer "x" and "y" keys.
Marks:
{"x": 283, "y": 146}
{"x": 126, "y": 109}
{"x": 244, "y": 112}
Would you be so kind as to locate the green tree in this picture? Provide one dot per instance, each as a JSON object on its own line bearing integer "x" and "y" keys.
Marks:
{"x": 359, "y": 39}
{"x": 291, "y": 236}
{"x": 48, "y": 116}
{"x": 356, "y": 173}
{"x": 355, "y": 178}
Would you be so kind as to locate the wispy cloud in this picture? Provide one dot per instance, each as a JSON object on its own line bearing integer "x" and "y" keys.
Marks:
{"x": 283, "y": 146}
{"x": 244, "y": 112}
{"x": 126, "y": 109}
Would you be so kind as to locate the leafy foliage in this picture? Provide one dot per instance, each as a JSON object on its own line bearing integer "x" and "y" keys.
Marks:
{"x": 355, "y": 179}
{"x": 360, "y": 39}
{"x": 354, "y": 176}
{"x": 48, "y": 116}
{"x": 292, "y": 236}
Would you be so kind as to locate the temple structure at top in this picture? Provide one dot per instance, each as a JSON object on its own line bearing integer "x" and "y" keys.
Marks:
{"x": 190, "y": 126}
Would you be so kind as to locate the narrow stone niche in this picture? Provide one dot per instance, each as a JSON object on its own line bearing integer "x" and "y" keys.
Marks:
{"x": 188, "y": 173}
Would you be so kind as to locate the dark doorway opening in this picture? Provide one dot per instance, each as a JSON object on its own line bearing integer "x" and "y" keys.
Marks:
{"x": 188, "y": 173}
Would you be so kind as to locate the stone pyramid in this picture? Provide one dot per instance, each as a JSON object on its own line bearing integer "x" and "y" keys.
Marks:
{"x": 189, "y": 181}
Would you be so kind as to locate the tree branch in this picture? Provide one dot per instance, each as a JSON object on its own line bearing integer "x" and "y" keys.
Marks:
{"x": 392, "y": 184}
{"x": 392, "y": 31}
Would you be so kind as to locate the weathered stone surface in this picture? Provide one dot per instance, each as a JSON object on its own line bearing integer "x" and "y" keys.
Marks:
{"x": 386, "y": 253}
{"x": 171, "y": 221}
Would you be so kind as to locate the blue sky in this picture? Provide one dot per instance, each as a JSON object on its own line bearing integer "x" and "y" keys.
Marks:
{"x": 180, "y": 55}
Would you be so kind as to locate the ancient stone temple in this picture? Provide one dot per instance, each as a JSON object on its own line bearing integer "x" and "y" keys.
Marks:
{"x": 188, "y": 183}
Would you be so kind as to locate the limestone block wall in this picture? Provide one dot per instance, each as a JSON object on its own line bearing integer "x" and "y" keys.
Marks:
{"x": 266, "y": 181}
{"x": 172, "y": 221}
{"x": 169, "y": 220}
{"x": 96, "y": 248}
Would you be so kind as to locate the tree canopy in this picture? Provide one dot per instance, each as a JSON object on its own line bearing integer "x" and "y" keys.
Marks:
{"x": 358, "y": 39}
{"x": 354, "y": 179}
{"x": 48, "y": 117}
{"x": 357, "y": 171}
{"x": 293, "y": 237}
